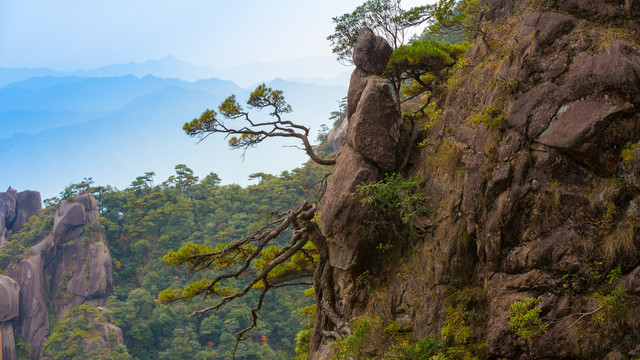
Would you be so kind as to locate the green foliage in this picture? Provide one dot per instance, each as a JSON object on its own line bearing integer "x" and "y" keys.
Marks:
{"x": 455, "y": 328}
{"x": 78, "y": 336}
{"x": 431, "y": 113}
{"x": 147, "y": 220}
{"x": 395, "y": 195}
{"x": 23, "y": 349}
{"x": 385, "y": 17}
{"x": 458, "y": 19}
{"x": 425, "y": 56}
{"x": 80, "y": 188}
{"x": 628, "y": 153}
{"x": 230, "y": 109}
{"x": 427, "y": 348}
{"x": 350, "y": 346}
{"x": 525, "y": 318}
{"x": 33, "y": 231}
{"x": 492, "y": 116}
{"x": 421, "y": 66}
{"x": 614, "y": 306}
{"x": 373, "y": 338}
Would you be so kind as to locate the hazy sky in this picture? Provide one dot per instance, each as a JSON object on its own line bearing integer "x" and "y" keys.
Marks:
{"x": 72, "y": 34}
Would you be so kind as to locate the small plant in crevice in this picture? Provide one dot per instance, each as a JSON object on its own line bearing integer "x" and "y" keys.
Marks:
{"x": 397, "y": 195}
{"x": 628, "y": 153}
{"x": 525, "y": 319}
{"x": 431, "y": 114}
{"x": 393, "y": 204}
{"x": 613, "y": 307}
{"x": 605, "y": 222}
{"x": 492, "y": 116}
{"x": 351, "y": 346}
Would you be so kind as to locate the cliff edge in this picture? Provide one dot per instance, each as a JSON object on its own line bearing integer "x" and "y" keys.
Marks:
{"x": 530, "y": 248}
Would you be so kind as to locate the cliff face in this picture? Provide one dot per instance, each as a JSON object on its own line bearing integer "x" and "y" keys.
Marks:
{"x": 69, "y": 266}
{"x": 531, "y": 177}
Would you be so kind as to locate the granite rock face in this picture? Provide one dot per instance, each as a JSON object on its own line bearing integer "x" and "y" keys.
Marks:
{"x": 15, "y": 210}
{"x": 82, "y": 266}
{"x": 67, "y": 267}
{"x": 7, "y": 342}
{"x": 10, "y": 295}
{"x": 544, "y": 204}
{"x": 9, "y": 301}
{"x": 368, "y": 153}
{"x": 33, "y": 319}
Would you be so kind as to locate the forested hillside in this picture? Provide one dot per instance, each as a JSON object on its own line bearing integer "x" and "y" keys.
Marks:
{"x": 150, "y": 218}
{"x": 145, "y": 221}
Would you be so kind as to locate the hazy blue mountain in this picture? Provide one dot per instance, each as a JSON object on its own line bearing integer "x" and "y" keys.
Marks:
{"x": 33, "y": 122}
{"x": 166, "y": 67}
{"x": 11, "y": 75}
{"x": 316, "y": 67}
{"x": 340, "y": 80}
{"x": 114, "y": 129}
{"x": 319, "y": 70}
{"x": 77, "y": 93}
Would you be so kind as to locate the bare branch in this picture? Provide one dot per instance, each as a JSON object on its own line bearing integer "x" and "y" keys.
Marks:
{"x": 252, "y": 133}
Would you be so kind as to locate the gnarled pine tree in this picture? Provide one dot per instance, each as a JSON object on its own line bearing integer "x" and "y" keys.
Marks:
{"x": 256, "y": 260}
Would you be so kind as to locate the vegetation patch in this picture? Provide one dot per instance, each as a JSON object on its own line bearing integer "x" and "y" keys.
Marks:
{"x": 492, "y": 116}
{"x": 525, "y": 319}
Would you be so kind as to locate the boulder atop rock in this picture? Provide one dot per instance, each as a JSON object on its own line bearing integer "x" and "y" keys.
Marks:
{"x": 9, "y": 298}
{"x": 371, "y": 53}
{"x": 374, "y": 128}
{"x": 90, "y": 205}
{"x": 69, "y": 215}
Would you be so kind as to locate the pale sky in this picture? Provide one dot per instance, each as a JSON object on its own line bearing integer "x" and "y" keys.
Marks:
{"x": 85, "y": 34}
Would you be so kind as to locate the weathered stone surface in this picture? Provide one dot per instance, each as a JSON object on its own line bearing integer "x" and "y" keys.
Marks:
{"x": 356, "y": 86}
{"x": 615, "y": 71}
{"x": 7, "y": 342}
{"x": 68, "y": 216}
{"x": 15, "y": 210}
{"x": 337, "y": 135}
{"x": 76, "y": 258}
{"x": 342, "y": 212}
{"x": 577, "y": 121}
{"x": 9, "y": 298}
{"x": 33, "y": 320}
{"x": 531, "y": 113}
{"x": 28, "y": 204}
{"x": 371, "y": 53}
{"x": 90, "y": 206}
{"x": 7, "y": 214}
{"x": 543, "y": 206}
{"x": 81, "y": 254}
{"x": 374, "y": 128}
{"x": 546, "y": 27}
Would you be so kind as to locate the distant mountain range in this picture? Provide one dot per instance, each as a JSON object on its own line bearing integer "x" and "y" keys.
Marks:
{"x": 56, "y": 129}
{"x": 318, "y": 70}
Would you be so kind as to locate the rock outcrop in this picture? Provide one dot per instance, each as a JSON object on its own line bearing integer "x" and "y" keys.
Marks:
{"x": 82, "y": 266}
{"x": 15, "y": 210}
{"x": 368, "y": 153}
{"x": 70, "y": 266}
{"x": 9, "y": 294}
{"x": 542, "y": 202}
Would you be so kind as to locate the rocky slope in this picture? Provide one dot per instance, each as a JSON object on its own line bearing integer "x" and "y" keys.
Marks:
{"x": 531, "y": 177}
{"x": 69, "y": 266}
